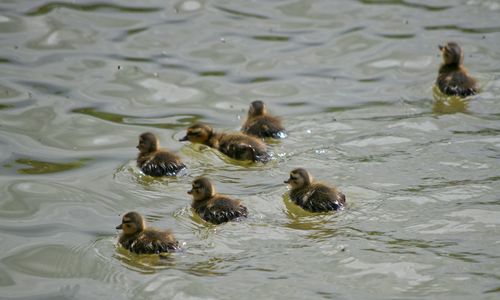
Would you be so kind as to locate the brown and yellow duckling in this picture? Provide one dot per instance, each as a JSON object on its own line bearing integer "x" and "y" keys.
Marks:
{"x": 154, "y": 161}
{"x": 453, "y": 79}
{"x": 260, "y": 124}
{"x": 313, "y": 196}
{"x": 235, "y": 145}
{"x": 138, "y": 238}
{"x": 213, "y": 207}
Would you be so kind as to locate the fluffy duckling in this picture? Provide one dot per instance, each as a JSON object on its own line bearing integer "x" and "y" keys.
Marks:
{"x": 311, "y": 196}
{"x": 154, "y": 161}
{"x": 213, "y": 207}
{"x": 138, "y": 238}
{"x": 453, "y": 78}
{"x": 235, "y": 145}
{"x": 259, "y": 123}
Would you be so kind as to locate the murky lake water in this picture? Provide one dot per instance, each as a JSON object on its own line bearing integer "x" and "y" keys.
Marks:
{"x": 80, "y": 80}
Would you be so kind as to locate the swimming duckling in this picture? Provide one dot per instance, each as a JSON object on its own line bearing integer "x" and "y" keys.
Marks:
{"x": 154, "y": 161}
{"x": 453, "y": 78}
{"x": 235, "y": 145}
{"x": 311, "y": 196}
{"x": 213, "y": 207}
{"x": 259, "y": 123}
{"x": 138, "y": 238}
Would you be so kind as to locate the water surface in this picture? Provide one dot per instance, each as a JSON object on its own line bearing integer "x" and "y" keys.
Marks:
{"x": 353, "y": 81}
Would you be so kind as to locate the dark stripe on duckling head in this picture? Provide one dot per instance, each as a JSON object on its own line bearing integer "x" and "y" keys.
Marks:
{"x": 125, "y": 220}
{"x": 291, "y": 178}
{"x": 198, "y": 133}
{"x": 452, "y": 53}
{"x": 301, "y": 173}
{"x": 257, "y": 108}
{"x": 202, "y": 188}
{"x": 148, "y": 142}
{"x": 133, "y": 218}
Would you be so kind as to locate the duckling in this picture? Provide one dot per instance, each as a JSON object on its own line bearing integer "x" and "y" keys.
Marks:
{"x": 154, "y": 161}
{"x": 235, "y": 145}
{"x": 138, "y": 238}
{"x": 453, "y": 78}
{"x": 213, "y": 207}
{"x": 311, "y": 196}
{"x": 260, "y": 124}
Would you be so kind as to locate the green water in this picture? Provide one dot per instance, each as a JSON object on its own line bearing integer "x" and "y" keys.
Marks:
{"x": 353, "y": 81}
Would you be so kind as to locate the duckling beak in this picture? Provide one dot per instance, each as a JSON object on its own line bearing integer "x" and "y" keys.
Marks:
{"x": 190, "y": 192}
{"x": 119, "y": 226}
{"x": 441, "y": 47}
{"x": 184, "y": 139}
{"x": 287, "y": 181}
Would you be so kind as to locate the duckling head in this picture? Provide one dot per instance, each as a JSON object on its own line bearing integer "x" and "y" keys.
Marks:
{"x": 452, "y": 53}
{"x": 198, "y": 133}
{"x": 202, "y": 189}
{"x": 257, "y": 108}
{"x": 132, "y": 223}
{"x": 148, "y": 143}
{"x": 299, "y": 178}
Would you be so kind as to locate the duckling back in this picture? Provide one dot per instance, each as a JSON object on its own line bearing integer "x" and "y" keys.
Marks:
{"x": 220, "y": 209}
{"x": 318, "y": 198}
{"x": 264, "y": 127}
{"x": 150, "y": 241}
{"x": 243, "y": 147}
{"x": 454, "y": 81}
{"x": 160, "y": 163}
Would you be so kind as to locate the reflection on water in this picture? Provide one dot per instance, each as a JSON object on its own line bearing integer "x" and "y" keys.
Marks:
{"x": 43, "y": 167}
{"x": 444, "y": 104}
{"x": 353, "y": 82}
{"x": 146, "y": 264}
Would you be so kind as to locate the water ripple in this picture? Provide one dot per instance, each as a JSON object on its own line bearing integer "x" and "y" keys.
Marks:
{"x": 49, "y": 7}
